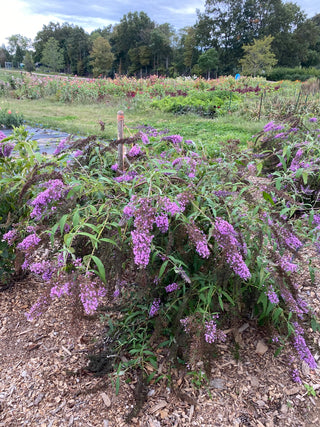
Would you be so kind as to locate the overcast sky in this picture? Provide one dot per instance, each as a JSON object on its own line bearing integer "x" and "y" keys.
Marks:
{"x": 26, "y": 17}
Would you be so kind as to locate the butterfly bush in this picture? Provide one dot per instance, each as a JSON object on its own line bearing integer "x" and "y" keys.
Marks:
{"x": 185, "y": 228}
{"x": 55, "y": 190}
{"x": 226, "y": 237}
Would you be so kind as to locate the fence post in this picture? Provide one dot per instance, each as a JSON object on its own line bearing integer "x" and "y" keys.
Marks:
{"x": 260, "y": 106}
{"x": 120, "y": 120}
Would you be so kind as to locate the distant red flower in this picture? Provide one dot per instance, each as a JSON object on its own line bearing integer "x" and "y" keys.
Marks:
{"x": 9, "y": 111}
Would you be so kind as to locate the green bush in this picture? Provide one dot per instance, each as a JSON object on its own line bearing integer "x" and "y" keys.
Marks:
{"x": 293, "y": 74}
{"x": 10, "y": 119}
{"x": 205, "y": 103}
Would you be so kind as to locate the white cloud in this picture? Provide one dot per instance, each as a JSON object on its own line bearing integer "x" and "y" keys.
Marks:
{"x": 16, "y": 18}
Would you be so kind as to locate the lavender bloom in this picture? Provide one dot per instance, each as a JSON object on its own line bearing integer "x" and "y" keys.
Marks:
{"x": 212, "y": 333}
{"x": 43, "y": 268}
{"x": 198, "y": 238}
{"x": 171, "y": 207}
{"x": 29, "y": 242}
{"x": 57, "y": 292}
{"x": 175, "y": 139}
{"x": 129, "y": 210}
{"x": 313, "y": 119}
{"x": 6, "y": 149}
{"x": 302, "y": 348}
{"x": 273, "y": 297}
{"x": 129, "y": 176}
{"x": 54, "y": 192}
{"x": 141, "y": 247}
{"x": 269, "y": 126}
{"x": 61, "y": 146}
{"x": 225, "y": 236}
{"x": 144, "y": 138}
{"x": 296, "y": 376}
{"x": 91, "y": 295}
{"x": 162, "y": 223}
{"x": 155, "y": 307}
{"x": 10, "y": 236}
{"x": 295, "y": 162}
{"x": 36, "y": 309}
{"x": 115, "y": 167}
{"x": 2, "y": 135}
{"x": 186, "y": 323}
{"x": 288, "y": 266}
{"x": 172, "y": 287}
{"x": 135, "y": 151}
{"x": 77, "y": 153}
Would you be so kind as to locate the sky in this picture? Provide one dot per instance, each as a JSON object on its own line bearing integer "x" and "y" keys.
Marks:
{"x": 27, "y": 17}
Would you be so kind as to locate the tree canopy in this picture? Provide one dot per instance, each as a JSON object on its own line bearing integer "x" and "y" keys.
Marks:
{"x": 139, "y": 46}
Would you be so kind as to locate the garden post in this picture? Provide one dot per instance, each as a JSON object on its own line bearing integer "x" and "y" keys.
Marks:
{"x": 120, "y": 120}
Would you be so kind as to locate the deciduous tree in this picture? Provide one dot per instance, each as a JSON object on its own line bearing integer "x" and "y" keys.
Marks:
{"x": 258, "y": 58}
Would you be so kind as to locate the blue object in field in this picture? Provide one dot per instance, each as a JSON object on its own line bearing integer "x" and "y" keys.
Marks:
{"x": 237, "y": 77}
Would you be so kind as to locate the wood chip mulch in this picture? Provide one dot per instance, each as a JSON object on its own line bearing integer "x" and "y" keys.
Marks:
{"x": 44, "y": 383}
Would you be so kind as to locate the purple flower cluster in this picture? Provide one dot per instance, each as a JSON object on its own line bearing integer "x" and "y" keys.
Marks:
{"x": 58, "y": 291}
{"x": 213, "y": 334}
{"x": 135, "y": 151}
{"x": 127, "y": 176}
{"x": 144, "y": 138}
{"x": 162, "y": 223}
{"x": 2, "y": 135}
{"x": 199, "y": 240}
{"x": 29, "y": 242}
{"x": 114, "y": 167}
{"x": 313, "y": 120}
{"x": 6, "y": 149}
{"x": 155, "y": 307}
{"x": 190, "y": 162}
{"x": 146, "y": 216}
{"x": 302, "y": 348}
{"x": 287, "y": 265}
{"x": 298, "y": 306}
{"x": 296, "y": 376}
{"x": 141, "y": 247}
{"x": 172, "y": 287}
{"x": 61, "y": 146}
{"x": 43, "y": 268}
{"x": 37, "y": 309}
{"x": 78, "y": 153}
{"x": 295, "y": 164}
{"x": 91, "y": 295}
{"x": 272, "y": 296}
{"x": 55, "y": 191}
{"x": 129, "y": 210}
{"x": 10, "y": 236}
{"x": 225, "y": 236}
{"x": 175, "y": 139}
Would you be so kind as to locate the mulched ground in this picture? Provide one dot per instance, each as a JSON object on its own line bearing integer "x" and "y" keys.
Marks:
{"x": 43, "y": 380}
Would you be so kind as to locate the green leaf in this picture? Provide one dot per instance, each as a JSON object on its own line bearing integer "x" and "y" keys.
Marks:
{"x": 102, "y": 271}
{"x": 162, "y": 268}
{"x": 62, "y": 223}
{"x": 268, "y": 197}
{"x": 76, "y": 218}
{"x": 305, "y": 177}
{"x": 105, "y": 239}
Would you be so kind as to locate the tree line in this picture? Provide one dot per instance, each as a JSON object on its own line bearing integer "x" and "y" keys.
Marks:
{"x": 220, "y": 42}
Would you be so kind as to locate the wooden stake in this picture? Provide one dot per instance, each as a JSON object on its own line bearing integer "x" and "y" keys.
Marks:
{"x": 120, "y": 120}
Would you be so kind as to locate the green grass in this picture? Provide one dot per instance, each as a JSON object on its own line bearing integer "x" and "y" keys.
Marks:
{"x": 83, "y": 119}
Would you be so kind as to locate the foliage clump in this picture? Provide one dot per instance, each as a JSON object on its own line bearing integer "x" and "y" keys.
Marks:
{"x": 184, "y": 244}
